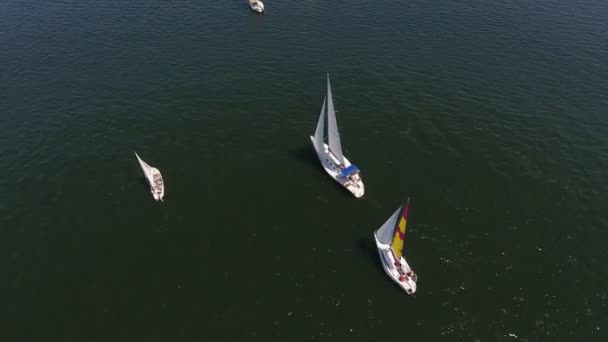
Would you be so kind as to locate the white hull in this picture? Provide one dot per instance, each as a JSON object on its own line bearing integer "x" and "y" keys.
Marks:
{"x": 256, "y": 6}
{"x": 154, "y": 178}
{"x": 387, "y": 259}
{"x": 330, "y": 164}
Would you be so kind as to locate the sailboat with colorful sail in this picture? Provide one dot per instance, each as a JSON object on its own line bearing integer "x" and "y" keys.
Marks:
{"x": 389, "y": 241}
{"x": 330, "y": 154}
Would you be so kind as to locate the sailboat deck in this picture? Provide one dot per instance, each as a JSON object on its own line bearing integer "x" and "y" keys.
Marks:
{"x": 333, "y": 162}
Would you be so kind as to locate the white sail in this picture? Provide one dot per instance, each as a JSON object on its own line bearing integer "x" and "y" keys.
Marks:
{"x": 144, "y": 166}
{"x": 385, "y": 232}
{"x": 320, "y": 132}
{"x": 332, "y": 127}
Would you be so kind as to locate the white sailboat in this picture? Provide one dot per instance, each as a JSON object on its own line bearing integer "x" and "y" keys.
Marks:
{"x": 330, "y": 154}
{"x": 155, "y": 179}
{"x": 256, "y": 6}
{"x": 389, "y": 240}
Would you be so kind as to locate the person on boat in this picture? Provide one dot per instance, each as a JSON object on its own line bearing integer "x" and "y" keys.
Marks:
{"x": 402, "y": 275}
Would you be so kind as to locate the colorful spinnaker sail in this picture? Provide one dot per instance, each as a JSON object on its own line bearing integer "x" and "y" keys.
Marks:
{"x": 397, "y": 245}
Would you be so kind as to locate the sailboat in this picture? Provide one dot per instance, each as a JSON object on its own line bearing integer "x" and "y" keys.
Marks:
{"x": 330, "y": 154}
{"x": 155, "y": 179}
{"x": 256, "y": 6}
{"x": 389, "y": 240}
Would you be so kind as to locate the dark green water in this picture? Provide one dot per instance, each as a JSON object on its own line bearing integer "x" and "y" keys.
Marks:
{"x": 491, "y": 115}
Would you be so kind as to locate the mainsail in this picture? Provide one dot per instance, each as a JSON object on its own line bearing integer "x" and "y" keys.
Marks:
{"x": 332, "y": 127}
{"x": 143, "y": 164}
{"x": 397, "y": 244}
{"x": 320, "y": 132}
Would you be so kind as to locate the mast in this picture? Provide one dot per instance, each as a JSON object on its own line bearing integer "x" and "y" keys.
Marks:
{"x": 332, "y": 127}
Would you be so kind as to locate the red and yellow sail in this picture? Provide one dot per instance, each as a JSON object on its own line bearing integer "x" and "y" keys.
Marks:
{"x": 397, "y": 244}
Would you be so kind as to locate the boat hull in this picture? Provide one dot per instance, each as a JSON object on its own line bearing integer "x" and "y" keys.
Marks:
{"x": 256, "y": 6}
{"x": 158, "y": 192}
{"x": 387, "y": 260}
{"x": 330, "y": 164}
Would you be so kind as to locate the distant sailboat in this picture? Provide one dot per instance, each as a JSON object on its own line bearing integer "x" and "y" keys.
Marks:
{"x": 330, "y": 154}
{"x": 256, "y": 6}
{"x": 389, "y": 240}
{"x": 154, "y": 178}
